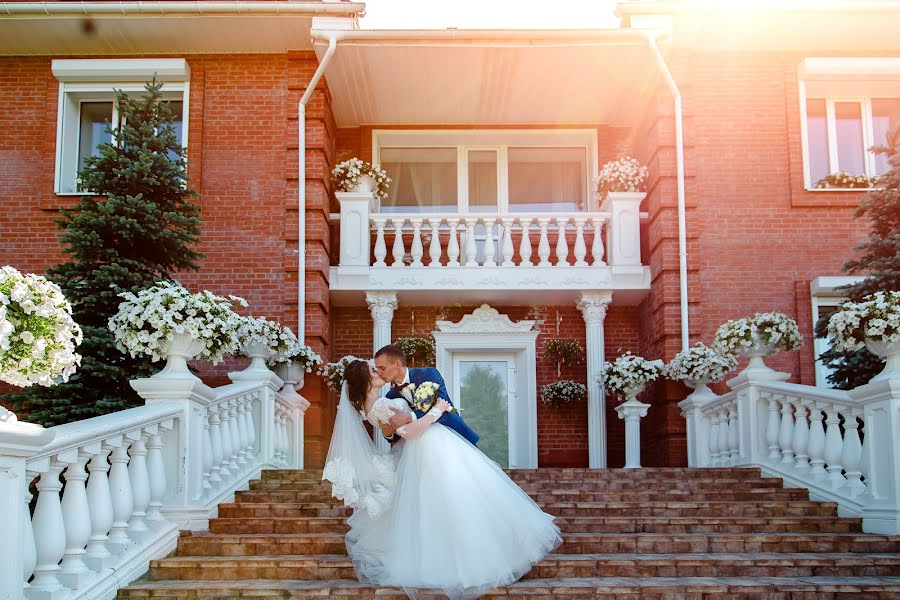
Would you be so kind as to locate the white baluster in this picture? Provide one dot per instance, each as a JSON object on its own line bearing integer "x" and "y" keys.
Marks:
{"x": 471, "y": 249}
{"x": 120, "y": 488}
{"x": 399, "y": 250}
{"x": 544, "y": 244}
{"x": 73, "y": 572}
{"x": 864, "y": 463}
{"x": 29, "y": 551}
{"x": 801, "y": 436}
{"x": 507, "y": 249}
{"x": 834, "y": 447}
{"x": 157, "y": 471}
{"x": 816, "y": 443}
{"x": 241, "y": 424}
{"x": 489, "y": 243}
{"x": 733, "y": 447}
{"x": 562, "y": 244}
{"x": 713, "y": 438}
{"x": 251, "y": 426}
{"x": 215, "y": 436}
{"x": 207, "y": 456}
{"x": 580, "y": 247}
{"x": 434, "y": 247}
{"x": 597, "y": 245}
{"x": 236, "y": 466}
{"x": 97, "y": 555}
{"x": 417, "y": 250}
{"x": 786, "y": 432}
{"x": 49, "y": 532}
{"x": 140, "y": 488}
{"x": 453, "y": 244}
{"x": 772, "y": 427}
{"x": 525, "y": 243}
{"x": 227, "y": 466}
{"x": 851, "y": 455}
{"x": 380, "y": 246}
{"x": 724, "y": 455}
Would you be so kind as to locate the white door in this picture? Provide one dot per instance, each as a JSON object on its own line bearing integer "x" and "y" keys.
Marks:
{"x": 484, "y": 389}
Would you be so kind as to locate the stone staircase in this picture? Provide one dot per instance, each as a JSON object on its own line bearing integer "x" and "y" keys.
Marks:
{"x": 654, "y": 533}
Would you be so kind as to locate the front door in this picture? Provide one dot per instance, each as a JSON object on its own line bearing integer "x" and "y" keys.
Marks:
{"x": 484, "y": 389}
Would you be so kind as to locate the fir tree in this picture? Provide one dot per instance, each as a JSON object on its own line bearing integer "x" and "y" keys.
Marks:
{"x": 880, "y": 262}
{"x": 140, "y": 230}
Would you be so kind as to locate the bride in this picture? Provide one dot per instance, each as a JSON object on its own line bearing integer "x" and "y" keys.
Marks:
{"x": 435, "y": 512}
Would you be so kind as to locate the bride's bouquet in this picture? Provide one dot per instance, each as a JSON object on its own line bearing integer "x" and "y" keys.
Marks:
{"x": 425, "y": 396}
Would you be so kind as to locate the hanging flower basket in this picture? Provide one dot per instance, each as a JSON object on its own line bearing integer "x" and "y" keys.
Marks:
{"x": 418, "y": 350}
{"x": 567, "y": 352}
{"x": 565, "y": 391}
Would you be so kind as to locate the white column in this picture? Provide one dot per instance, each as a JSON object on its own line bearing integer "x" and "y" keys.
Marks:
{"x": 631, "y": 412}
{"x": 593, "y": 307}
{"x": 382, "y": 306}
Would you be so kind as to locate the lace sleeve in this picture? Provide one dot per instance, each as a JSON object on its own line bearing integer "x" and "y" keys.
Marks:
{"x": 380, "y": 413}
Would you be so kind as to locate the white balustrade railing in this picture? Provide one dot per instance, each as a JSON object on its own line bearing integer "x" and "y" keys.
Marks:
{"x": 371, "y": 239}
{"x": 843, "y": 446}
{"x": 113, "y": 491}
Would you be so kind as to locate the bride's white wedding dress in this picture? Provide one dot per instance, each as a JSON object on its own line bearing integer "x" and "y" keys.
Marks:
{"x": 455, "y": 522}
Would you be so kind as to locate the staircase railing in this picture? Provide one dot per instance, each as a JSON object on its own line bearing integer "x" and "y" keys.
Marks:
{"x": 844, "y": 447}
{"x": 111, "y": 493}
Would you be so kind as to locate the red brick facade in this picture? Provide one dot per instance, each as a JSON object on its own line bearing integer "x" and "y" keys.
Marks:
{"x": 755, "y": 237}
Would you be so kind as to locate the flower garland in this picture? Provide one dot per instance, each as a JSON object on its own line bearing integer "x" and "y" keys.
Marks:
{"x": 37, "y": 333}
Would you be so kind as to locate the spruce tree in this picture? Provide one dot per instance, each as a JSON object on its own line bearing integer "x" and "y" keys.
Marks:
{"x": 880, "y": 262}
{"x": 139, "y": 228}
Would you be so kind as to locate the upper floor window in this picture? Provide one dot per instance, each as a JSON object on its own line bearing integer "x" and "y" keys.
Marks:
{"x": 849, "y": 105}
{"x": 487, "y": 171}
{"x": 87, "y": 104}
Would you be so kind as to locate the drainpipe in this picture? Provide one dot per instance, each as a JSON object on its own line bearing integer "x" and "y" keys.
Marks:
{"x": 679, "y": 173}
{"x": 301, "y": 191}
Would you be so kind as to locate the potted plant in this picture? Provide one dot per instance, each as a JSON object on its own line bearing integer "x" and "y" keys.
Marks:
{"x": 756, "y": 337}
{"x": 418, "y": 350}
{"x": 168, "y": 321}
{"x": 563, "y": 392}
{"x": 356, "y": 175}
{"x": 621, "y": 175}
{"x": 291, "y": 359}
{"x": 37, "y": 333}
{"x": 333, "y": 372}
{"x": 873, "y": 322}
{"x": 699, "y": 365}
{"x": 628, "y": 374}
{"x": 844, "y": 180}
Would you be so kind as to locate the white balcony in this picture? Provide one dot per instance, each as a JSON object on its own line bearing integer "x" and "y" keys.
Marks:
{"x": 508, "y": 258}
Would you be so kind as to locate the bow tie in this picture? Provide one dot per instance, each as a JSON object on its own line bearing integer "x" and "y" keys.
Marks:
{"x": 399, "y": 386}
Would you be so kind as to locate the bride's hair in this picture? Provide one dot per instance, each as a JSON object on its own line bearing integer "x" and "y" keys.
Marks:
{"x": 358, "y": 377}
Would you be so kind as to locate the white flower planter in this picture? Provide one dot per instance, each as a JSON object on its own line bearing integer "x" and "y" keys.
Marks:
{"x": 179, "y": 348}
{"x": 891, "y": 353}
{"x": 365, "y": 184}
{"x": 291, "y": 373}
{"x": 258, "y": 352}
{"x": 701, "y": 392}
{"x": 757, "y": 369}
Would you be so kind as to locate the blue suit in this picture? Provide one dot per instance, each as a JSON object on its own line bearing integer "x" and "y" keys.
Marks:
{"x": 448, "y": 419}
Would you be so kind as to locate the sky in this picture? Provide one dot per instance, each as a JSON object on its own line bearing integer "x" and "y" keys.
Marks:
{"x": 489, "y": 14}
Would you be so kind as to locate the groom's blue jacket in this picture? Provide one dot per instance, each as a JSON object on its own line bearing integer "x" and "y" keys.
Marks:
{"x": 448, "y": 419}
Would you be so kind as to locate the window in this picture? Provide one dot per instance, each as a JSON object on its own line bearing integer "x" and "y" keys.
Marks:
{"x": 849, "y": 105}
{"x": 87, "y": 93}
{"x": 487, "y": 171}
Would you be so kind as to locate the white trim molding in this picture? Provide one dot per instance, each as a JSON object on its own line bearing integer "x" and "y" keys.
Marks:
{"x": 116, "y": 70}
{"x": 487, "y": 331}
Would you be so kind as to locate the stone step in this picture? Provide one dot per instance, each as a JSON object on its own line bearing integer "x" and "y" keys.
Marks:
{"x": 678, "y": 509}
{"x": 253, "y": 510}
{"x": 250, "y": 544}
{"x": 762, "y": 564}
{"x": 269, "y": 525}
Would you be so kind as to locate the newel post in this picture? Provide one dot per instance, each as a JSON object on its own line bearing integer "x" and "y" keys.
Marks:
{"x": 624, "y": 228}
{"x": 355, "y": 210}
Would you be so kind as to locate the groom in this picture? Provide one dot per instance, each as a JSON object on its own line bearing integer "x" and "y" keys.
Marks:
{"x": 391, "y": 364}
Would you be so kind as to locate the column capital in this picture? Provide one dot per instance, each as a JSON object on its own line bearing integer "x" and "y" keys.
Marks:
{"x": 382, "y": 306}
{"x": 593, "y": 306}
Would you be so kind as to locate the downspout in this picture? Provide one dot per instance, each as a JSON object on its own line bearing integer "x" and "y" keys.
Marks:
{"x": 679, "y": 173}
{"x": 301, "y": 190}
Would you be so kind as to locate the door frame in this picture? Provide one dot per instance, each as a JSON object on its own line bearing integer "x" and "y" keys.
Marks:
{"x": 485, "y": 331}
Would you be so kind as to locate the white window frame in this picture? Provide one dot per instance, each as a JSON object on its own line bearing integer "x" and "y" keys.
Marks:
{"x": 823, "y": 293}
{"x": 499, "y": 140}
{"x": 95, "y": 80}
{"x": 875, "y": 73}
